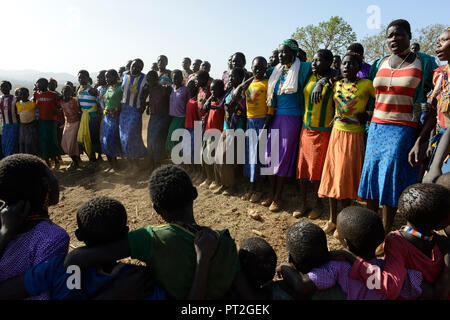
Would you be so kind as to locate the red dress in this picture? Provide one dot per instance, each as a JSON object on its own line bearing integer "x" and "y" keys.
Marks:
{"x": 192, "y": 114}
{"x": 400, "y": 254}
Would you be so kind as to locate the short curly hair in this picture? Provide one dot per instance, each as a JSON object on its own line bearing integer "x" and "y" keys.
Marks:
{"x": 101, "y": 220}
{"x": 21, "y": 178}
{"x": 171, "y": 190}
{"x": 362, "y": 228}
{"x": 306, "y": 244}
{"x": 258, "y": 261}
{"x": 425, "y": 206}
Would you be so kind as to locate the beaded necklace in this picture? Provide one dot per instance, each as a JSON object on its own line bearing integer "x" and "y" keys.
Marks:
{"x": 417, "y": 234}
{"x": 284, "y": 72}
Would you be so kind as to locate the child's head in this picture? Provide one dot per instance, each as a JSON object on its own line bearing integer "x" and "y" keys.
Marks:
{"x": 177, "y": 78}
{"x": 111, "y": 77}
{"x": 154, "y": 67}
{"x": 336, "y": 62}
{"x": 196, "y": 65}
{"x": 415, "y": 47}
{"x": 26, "y": 177}
{"x": 306, "y": 244}
{"x": 202, "y": 79}
{"x": 5, "y": 87}
{"x": 356, "y": 48}
{"x": 52, "y": 84}
{"x": 238, "y": 60}
{"x": 101, "y": 78}
{"x": 128, "y": 65}
{"x": 186, "y": 64}
{"x": 258, "y": 261}
{"x": 83, "y": 77}
{"x": 162, "y": 62}
{"x": 192, "y": 89}
{"x": 444, "y": 180}
{"x": 443, "y": 46}
{"x": 301, "y": 55}
{"x": 217, "y": 89}
{"x": 172, "y": 193}
{"x": 101, "y": 220}
{"x": 24, "y": 94}
{"x": 322, "y": 61}
{"x": 426, "y": 207}
{"x": 237, "y": 75}
{"x": 351, "y": 64}
{"x": 230, "y": 62}
{"x": 205, "y": 66}
{"x": 17, "y": 94}
{"x": 274, "y": 60}
{"x": 136, "y": 67}
{"x": 122, "y": 70}
{"x": 152, "y": 78}
{"x": 361, "y": 230}
{"x": 67, "y": 93}
{"x": 42, "y": 84}
{"x": 70, "y": 84}
{"x": 259, "y": 67}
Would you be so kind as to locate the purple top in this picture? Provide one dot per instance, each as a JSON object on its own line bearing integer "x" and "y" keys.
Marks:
{"x": 159, "y": 100}
{"x": 338, "y": 272}
{"x": 364, "y": 72}
{"x": 29, "y": 249}
{"x": 178, "y": 101}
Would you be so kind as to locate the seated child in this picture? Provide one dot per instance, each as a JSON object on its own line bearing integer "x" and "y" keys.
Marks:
{"x": 100, "y": 220}
{"x": 28, "y": 184}
{"x": 426, "y": 208}
{"x": 169, "y": 249}
{"x": 361, "y": 230}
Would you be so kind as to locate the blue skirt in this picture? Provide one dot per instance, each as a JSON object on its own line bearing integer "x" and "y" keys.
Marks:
{"x": 110, "y": 139}
{"x": 10, "y": 139}
{"x": 386, "y": 172}
{"x": 130, "y": 128}
{"x": 252, "y": 167}
{"x": 158, "y": 128}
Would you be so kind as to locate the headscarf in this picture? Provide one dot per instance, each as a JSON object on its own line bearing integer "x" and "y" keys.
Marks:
{"x": 291, "y": 44}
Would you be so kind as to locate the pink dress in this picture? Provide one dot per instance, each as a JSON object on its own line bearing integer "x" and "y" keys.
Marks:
{"x": 69, "y": 139}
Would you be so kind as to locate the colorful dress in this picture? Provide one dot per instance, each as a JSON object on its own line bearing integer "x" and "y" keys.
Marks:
{"x": 286, "y": 124}
{"x": 257, "y": 111}
{"x": 164, "y": 78}
{"x": 110, "y": 136}
{"x": 31, "y": 248}
{"x": 345, "y": 156}
{"x": 178, "y": 100}
{"x": 28, "y": 133}
{"x": 441, "y": 94}
{"x": 69, "y": 141}
{"x": 10, "y": 134}
{"x": 192, "y": 116}
{"x": 393, "y": 132}
{"x": 158, "y": 125}
{"x": 89, "y": 131}
{"x": 316, "y": 131}
{"x": 47, "y": 103}
{"x": 130, "y": 121}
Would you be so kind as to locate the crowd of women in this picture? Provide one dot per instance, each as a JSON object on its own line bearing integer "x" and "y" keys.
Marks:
{"x": 350, "y": 131}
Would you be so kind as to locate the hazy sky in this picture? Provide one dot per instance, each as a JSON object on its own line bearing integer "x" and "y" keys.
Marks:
{"x": 68, "y": 35}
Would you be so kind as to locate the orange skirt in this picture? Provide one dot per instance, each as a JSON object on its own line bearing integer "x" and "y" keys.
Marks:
{"x": 312, "y": 153}
{"x": 343, "y": 166}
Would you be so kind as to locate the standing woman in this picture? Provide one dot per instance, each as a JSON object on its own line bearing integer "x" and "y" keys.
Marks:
{"x": 89, "y": 132}
{"x": 163, "y": 73}
{"x": 285, "y": 94}
{"x": 130, "y": 123}
{"x": 110, "y": 137}
{"x": 399, "y": 87}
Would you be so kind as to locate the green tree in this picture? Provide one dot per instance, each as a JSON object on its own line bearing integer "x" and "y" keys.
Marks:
{"x": 375, "y": 46}
{"x": 335, "y": 34}
{"x": 427, "y": 38}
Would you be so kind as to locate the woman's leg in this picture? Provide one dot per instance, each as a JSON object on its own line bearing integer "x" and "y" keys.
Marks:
{"x": 331, "y": 224}
{"x": 373, "y": 205}
{"x": 389, "y": 214}
{"x": 273, "y": 183}
{"x": 318, "y": 206}
{"x": 302, "y": 206}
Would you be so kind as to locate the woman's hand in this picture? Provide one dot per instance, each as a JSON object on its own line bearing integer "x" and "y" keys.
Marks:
{"x": 414, "y": 155}
{"x": 362, "y": 117}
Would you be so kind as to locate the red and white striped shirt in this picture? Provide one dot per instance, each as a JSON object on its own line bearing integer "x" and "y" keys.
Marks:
{"x": 8, "y": 109}
{"x": 394, "y": 89}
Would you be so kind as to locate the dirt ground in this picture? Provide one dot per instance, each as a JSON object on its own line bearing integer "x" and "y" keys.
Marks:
{"x": 216, "y": 211}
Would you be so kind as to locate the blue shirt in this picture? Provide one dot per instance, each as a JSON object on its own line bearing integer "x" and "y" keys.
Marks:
{"x": 51, "y": 276}
{"x": 287, "y": 104}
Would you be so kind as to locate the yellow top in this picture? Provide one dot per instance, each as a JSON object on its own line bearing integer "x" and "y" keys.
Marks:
{"x": 256, "y": 96}
{"x": 350, "y": 100}
{"x": 26, "y": 111}
{"x": 318, "y": 116}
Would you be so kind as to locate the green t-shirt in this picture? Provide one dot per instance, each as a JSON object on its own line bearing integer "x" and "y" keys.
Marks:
{"x": 169, "y": 252}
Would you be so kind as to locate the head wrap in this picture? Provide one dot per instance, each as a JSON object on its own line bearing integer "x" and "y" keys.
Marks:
{"x": 291, "y": 44}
